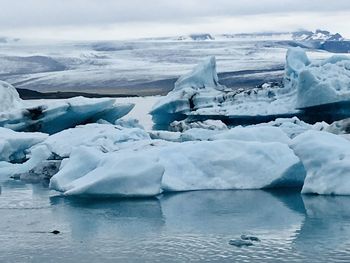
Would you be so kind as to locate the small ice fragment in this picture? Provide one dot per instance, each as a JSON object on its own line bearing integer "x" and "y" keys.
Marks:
{"x": 240, "y": 243}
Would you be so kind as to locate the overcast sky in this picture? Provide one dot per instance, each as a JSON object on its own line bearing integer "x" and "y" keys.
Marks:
{"x": 123, "y": 19}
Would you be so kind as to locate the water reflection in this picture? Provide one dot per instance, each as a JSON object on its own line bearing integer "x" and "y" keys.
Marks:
{"x": 326, "y": 224}
{"x": 88, "y": 218}
{"x": 189, "y": 226}
{"x": 219, "y": 212}
{"x": 231, "y": 211}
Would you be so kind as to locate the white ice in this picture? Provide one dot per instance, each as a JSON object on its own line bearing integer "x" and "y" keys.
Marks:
{"x": 105, "y": 137}
{"x": 51, "y": 116}
{"x": 89, "y": 172}
{"x": 305, "y": 84}
{"x": 326, "y": 158}
{"x": 13, "y": 145}
{"x": 196, "y": 165}
{"x": 9, "y": 98}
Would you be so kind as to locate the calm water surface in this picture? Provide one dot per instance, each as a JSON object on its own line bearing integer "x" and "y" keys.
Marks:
{"x": 183, "y": 227}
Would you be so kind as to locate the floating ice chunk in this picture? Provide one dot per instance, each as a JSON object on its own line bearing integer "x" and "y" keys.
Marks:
{"x": 54, "y": 116}
{"x": 180, "y": 102}
{"x": 324, "y": 83}
{"x": 199, "y": 101}
{"x": 166, "y": 136}
{"x": 129, "y": 123}
{"x": 199, "y": 97}
{"x": 199, "y": 134}
{"x": 326, "y": 158}
{"x": 202, "y": 76}
{"x": 240, "y": 243}
{"x": 81, "y": 161}
{"x": 181, "y": 126}
{"x": 9, "y": 98}
{"x": 111, "y": 174}
{"x": 296, "y": 61}
{"x": 37, "y": 156}
{"x": 13, "y": 145}
{"x": 228, "y": 164}
{"x": 150, "y": 166}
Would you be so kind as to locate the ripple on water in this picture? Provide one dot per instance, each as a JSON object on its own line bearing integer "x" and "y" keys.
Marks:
{"x": 185, "y": 227}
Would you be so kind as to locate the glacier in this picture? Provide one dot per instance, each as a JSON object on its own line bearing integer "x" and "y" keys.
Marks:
{"x": 198, "y": 95}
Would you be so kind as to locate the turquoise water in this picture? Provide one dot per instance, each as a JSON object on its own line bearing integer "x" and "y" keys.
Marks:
{"x": 182, "y": 227}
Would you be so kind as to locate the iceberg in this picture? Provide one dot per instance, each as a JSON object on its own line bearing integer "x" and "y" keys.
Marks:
{"x": 181, "y": 126}
{"x": 183, "y": 99}
{"x": 14, "y": 145}
{"x": 108, "y": 174}
{"x": 324, "y": 83}
{"x": 166, "y": 167}
{"x": 326, "y": 158}
{"x": 228, "y": 164}
{"x": 36, "y": 157}
{"x": 9, "y": 97}
{"x": 198, "y": 96}
{"x": 52, "y": 116}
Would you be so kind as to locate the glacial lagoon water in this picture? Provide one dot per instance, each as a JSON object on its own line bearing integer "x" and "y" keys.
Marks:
{"x": 182, "y": 227}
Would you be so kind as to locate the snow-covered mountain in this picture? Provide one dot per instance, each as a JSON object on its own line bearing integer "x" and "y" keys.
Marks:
{"x": 300, "y": 35}
{"x": 197, "y": 37}
{"x": 318, "y": 35}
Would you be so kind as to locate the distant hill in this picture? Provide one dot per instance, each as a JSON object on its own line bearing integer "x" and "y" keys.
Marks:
{"x": 320, "y": 39}
{"x": 318, "y": 35}
{"x": 197, "y": 37}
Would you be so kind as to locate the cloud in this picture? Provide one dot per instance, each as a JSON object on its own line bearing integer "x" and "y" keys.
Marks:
{"x": 94, "y": 19}
{"x": 86, "y": 12}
